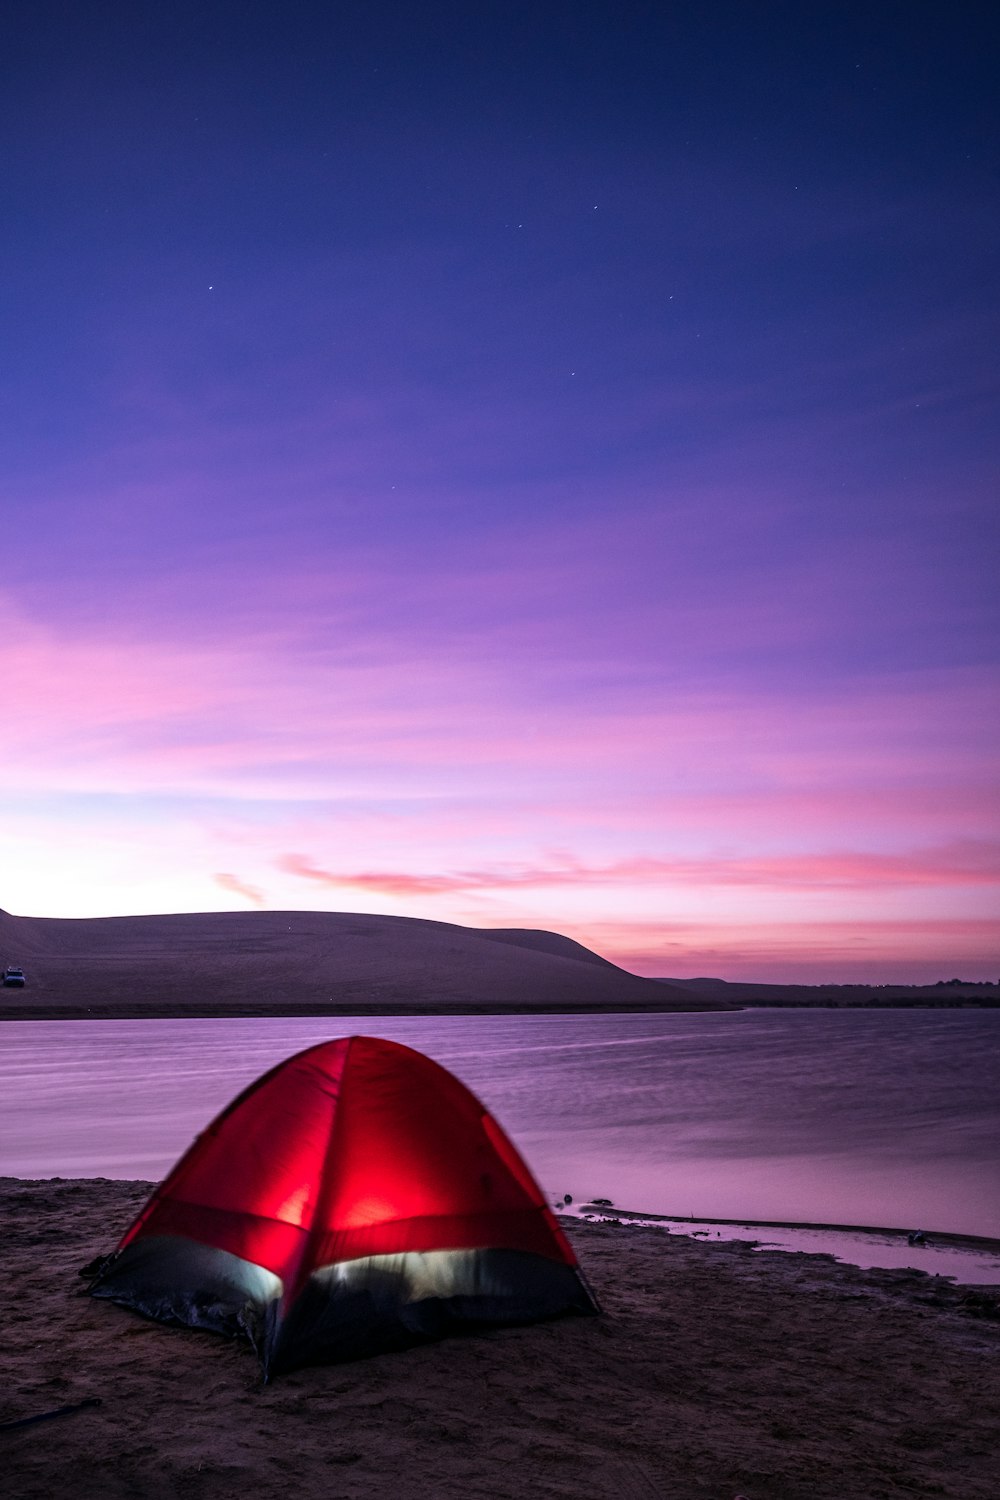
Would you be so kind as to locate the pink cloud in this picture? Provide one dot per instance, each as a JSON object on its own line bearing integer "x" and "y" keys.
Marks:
{"x": 239, "y": 887}
{"x": 808, "y": 952}
{"x": 961, "y": 864}
{"x": 399, "y": 884}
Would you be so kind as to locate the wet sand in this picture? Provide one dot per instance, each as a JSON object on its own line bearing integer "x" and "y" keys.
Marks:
{"x": 715, "y": 1371}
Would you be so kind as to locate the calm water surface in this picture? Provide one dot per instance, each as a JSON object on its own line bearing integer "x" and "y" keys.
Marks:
{"x": 859, "y": 1117}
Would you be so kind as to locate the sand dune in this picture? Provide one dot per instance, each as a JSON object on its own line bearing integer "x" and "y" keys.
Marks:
{"x": 713, "y": 1372}
{"x": 309, "y": 963}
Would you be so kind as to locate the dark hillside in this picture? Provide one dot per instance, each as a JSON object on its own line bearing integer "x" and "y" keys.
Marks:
{"x": 308, "y": 963}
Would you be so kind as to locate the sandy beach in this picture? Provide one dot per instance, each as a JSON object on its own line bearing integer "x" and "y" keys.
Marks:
{"x": 715, "y": 1371}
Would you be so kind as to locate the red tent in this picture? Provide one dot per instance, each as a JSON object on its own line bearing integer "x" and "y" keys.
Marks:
{"x": 356, "y": 1198}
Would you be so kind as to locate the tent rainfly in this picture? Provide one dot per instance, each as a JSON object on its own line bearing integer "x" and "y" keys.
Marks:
{"x": 356, "y": 1198}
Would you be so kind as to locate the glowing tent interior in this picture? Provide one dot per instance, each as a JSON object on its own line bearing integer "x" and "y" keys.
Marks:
{"x": 356, "y": 1198}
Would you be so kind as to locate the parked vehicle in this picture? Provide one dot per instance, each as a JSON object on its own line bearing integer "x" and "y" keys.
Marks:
{"x": 12, "y": 976}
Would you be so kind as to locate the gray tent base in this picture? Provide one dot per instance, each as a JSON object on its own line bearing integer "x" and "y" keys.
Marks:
{"x": 345, "y": 1311}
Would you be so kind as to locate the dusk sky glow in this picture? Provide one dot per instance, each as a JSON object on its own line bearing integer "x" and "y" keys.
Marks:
{"x": 513, "y": 465}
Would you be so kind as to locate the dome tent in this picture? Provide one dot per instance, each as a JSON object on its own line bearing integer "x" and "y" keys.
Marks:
{"x": 356, "y": 1198}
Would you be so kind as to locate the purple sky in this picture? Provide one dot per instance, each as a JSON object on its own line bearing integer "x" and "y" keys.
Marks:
{"x": 517, "y": 465}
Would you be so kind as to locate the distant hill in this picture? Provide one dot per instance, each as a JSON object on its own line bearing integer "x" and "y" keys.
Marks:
{"x": 950, "y": 993}
{"x": 310, "y": 963}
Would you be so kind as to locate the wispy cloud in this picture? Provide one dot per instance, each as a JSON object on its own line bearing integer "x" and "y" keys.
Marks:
{"x": 239, "y": 887}
{"x": 400, "y": 884}
{"x": 962, "y": 864}
{"x": 896, "y": 951}
{"x": 446, "y": 772}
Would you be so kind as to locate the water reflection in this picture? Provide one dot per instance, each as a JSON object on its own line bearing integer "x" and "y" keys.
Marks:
{"x": 847, "y": 1117}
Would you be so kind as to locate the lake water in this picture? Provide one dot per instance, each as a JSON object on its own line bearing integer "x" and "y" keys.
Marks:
{"x": 846, "y": 1117}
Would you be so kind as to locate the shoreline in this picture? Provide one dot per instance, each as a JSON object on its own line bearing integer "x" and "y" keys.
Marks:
{"x": 247, "y": 1011}
{"x": 611, "y": 1214}
{"x": 715, "y": 1370}
{"x": 265, "y": 1010}
{"x": 964, "y": 1259}
{"x": 951, "y": 1238}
